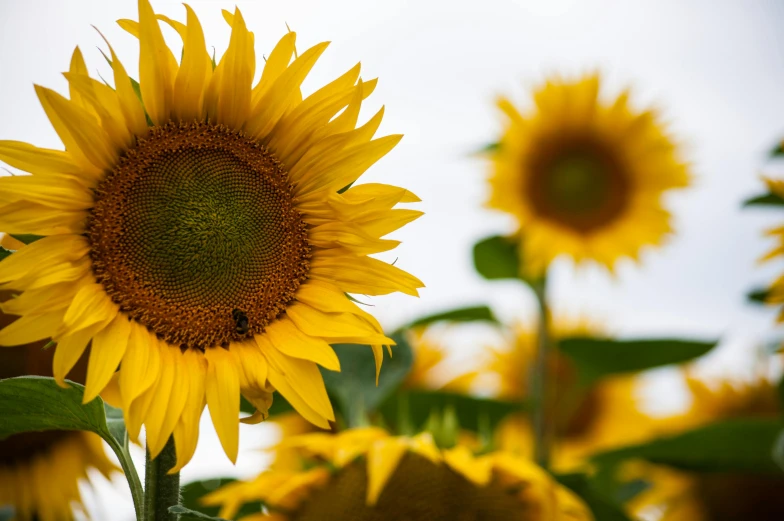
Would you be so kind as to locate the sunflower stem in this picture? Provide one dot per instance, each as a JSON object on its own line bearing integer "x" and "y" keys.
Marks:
{"x": 161, "y": 489}
{"x": 540, "y": 392}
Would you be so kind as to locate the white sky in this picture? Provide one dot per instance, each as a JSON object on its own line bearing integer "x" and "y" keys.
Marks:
{"x": 714, "y": 67}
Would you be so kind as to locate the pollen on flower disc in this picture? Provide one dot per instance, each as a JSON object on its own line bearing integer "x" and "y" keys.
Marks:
{"x": 195, "y": 227}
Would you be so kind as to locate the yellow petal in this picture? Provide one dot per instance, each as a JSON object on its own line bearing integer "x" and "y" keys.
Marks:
{"x": 68, "y": 351}
{"x": 476, "y": 470}
{"x": 31, "y": 328}
{"x": 161, "y": 393}
{"x": 236, "y": 71}
{"x": 25, "y": 217}
{"x": 277, "y": 62}
{"x": 140, "y": 365}
{"x": 62, "y": 193}
{"x": 338, "y": 327}
{"x": 382, "y": 461}
{"x": 339, "y": 171}
{"x": 277, "y": 100}
{"x": 130, "y": 104}
{"x": 178, "y": 396}
{"x": 349, "y": 236}
{"x": 80, "y": 133}
{"x": 300, "y": 382}
{"x": 186, "y": 432}
{"x": 291, "y": 341}
{"x": 41, "y": 254}
{"x": 364, "y": 275}
{"x": 157, "y": 67}
{"x": 194, "y": 72}
{"x": 37, "y": 161}
{"x": 106, "y": 353}
{"x": 91, "y": 305}
{"x": 222, "y": 387}
{"x": 103, "y": 100}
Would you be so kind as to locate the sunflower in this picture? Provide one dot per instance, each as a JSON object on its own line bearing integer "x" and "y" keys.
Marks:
{"x": 688, "y": 496}
{"x": 775, "y": 294}
{"x": 367, "y": 474}
{"x": 584, "y": 178}
{"x": 586, "y": 419}
{"x": 40, "y": 472}
{"x": 204, "y": 234}
{"x": 430, "y": 355}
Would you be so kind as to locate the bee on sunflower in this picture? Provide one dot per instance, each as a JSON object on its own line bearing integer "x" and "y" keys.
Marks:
{"x": 202, "y": 231}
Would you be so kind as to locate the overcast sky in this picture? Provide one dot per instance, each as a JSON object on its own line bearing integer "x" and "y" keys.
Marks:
{"x": 714, "y": 68}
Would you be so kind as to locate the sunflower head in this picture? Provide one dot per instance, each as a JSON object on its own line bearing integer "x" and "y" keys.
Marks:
{"x": 682, "y": 496}
{"x": 202, "y": 230}
{"x": 583, "y": 177}
{"x": 40, "y": 472}
{"x": 368, "y": 475}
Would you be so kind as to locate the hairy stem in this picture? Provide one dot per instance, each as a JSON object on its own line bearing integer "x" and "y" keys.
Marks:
{"x": 161, "y": 490}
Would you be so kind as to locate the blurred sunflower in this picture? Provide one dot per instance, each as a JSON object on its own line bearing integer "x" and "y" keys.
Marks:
{"x": 40, "y": 472}
{"x": 203, "y": 234}
{"x": 369, "y": 475}
{"x": 430, "y": 353}
{"x": 582, "y": 177}
{"x": 603, "y": 415}
{"x": 686, "y": 496}
{"x": 775, "y": 294}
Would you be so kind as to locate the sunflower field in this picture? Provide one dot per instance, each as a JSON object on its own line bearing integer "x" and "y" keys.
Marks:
{"x": 557, "y": 298}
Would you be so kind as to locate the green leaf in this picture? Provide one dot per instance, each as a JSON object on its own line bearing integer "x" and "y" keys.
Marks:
{"x": 194, "y": 491}
{"x": 778, "y": 150}
{"x": 26, "y": 238}
{"x": 187, "y": 513}
{"x": 37, "y": 403}
{"x": 603, "y": 508}
{"x": 597, "y": 357}
{"x": 489, "y": 148}
{"x": 34, "y": 403}
{"x": 497, "y": 257}
{"x": 758, "y": 296}
{"x": 467, "y": 314}
{"x": 769, "y": 199}
{"x": 353, "y": 389}
{"x": 740, "y": 445}
{"x": 473, "y": 413}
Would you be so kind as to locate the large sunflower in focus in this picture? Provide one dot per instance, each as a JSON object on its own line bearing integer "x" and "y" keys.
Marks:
{"x": 690, "y": 496}
{"x": 40, "y": 472}
{"x": 582, "y": 177}
{"x": 204, "y": 233}
{"x": 368, "y": 475}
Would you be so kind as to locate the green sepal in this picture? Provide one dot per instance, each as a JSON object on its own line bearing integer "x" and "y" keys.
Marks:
{"x": 26, "y": 238}
{"x": 768, "y": 199}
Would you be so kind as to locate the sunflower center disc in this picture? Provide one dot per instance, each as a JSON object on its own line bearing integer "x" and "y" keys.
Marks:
{"x": 195, "y": 235}
{"x": 578, "y": 183}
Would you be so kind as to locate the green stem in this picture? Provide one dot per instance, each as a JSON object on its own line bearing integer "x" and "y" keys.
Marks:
{"x": 161, "y": 490}
{"x": 123, "y": 455}
{"x": 540, "y": 392}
